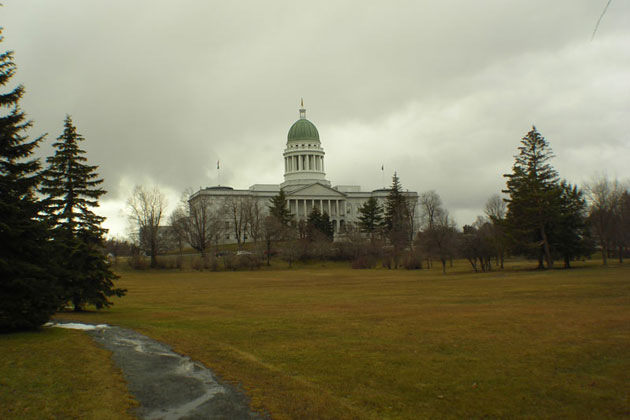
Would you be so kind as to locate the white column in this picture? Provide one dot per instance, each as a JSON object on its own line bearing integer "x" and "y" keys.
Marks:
{"x": 337, "y": 207}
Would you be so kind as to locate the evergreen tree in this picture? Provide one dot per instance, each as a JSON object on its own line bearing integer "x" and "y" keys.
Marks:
{"x": 534, "y": 202}
{"x": 29, "y": 294}
{"x": 396, "y": 219}
{"x": 370, "y": 216}
{"x": 570, "y": 234}
{"x": 279, "y": 209}
{"x": 319, "y": 224}
{"x": 72, "y": 188}
{"x": 326, "y": 227}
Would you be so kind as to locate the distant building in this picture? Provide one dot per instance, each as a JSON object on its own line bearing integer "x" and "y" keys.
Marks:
{"x": 305, "y": 184}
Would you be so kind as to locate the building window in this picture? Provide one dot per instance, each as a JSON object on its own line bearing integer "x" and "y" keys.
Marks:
{"x": 227, "y": 236}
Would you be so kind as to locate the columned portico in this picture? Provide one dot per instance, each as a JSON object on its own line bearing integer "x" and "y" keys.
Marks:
{"x": 303, "y": 155}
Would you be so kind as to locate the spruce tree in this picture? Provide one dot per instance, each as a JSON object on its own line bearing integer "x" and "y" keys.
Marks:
{"x": 570, "y": 236}
{"x": 72, "y": 189}
{"x": 370, "y": 216}
{"x": 396, "y": 219}
{"x": 534, "y": 202}
{"x": 319, "y": 225}
{"x": 29, "y": 294}
{"x": 326, "y": 227}
{"x": 278, "y": 208}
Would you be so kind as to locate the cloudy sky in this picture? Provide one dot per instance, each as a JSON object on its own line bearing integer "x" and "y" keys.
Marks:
{"x": 440, "y": 92}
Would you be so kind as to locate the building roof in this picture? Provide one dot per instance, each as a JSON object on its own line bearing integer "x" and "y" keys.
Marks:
{"x": 303, "y": 130}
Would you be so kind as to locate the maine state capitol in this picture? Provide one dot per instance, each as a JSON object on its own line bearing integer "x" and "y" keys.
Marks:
{"x": 305, "y": 184}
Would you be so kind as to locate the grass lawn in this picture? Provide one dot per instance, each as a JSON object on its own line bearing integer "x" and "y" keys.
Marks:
{"x": 331, "y": 342}
{"x": 59, "y": 374}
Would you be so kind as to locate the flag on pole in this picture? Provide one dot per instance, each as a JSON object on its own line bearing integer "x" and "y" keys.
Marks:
{"x": 382, "y": 167}
{"x": 217, "y": 164}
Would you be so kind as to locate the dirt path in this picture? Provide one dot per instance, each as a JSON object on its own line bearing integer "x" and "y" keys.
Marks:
{"x": 168, "y": 385}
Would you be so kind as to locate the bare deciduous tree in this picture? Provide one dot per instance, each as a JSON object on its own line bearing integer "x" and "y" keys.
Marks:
{"x": 203, "y": 224}
{"x": 255, "y": 218}
{"x": 145, "y": 213}
{"x": 440, "y": 240}
{"x": 431, "y": 206}
{"x": 237, "y": 209}
{"x": 177, "y": 221}
{"x": 604, "y": 197}
{"x": 496, "y": 210}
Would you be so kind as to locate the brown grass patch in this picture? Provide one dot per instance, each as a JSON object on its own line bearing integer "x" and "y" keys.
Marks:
{"x": 59, "y": 374}
{"x": 341, "y": 343}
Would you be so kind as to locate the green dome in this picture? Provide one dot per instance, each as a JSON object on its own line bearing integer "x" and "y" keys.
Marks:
{"x": 303, "y": 130}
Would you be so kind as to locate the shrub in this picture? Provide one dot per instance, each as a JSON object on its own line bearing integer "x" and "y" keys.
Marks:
{"x": 412, "y": 261}
{"x": 387, "y": 262}
{"x": 363, "y": 262}
{"x": 138, "y": 262}
{"x": 168, "y": 262}
{"x": 204, "y": 263}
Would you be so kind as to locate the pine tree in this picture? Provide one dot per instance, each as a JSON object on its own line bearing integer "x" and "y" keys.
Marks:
{"x": 370, "y": 216}
{"x": 396, "y": 219}
{"x": 534, "y": 202}
{"x": 319, "y": 224}
{"x": 72, "y": 188}
{"x": 29, "y": 294}
{"x": 279, "y": 209}
{"x": 326, "y": 227}
{"x": 570, "y": 234}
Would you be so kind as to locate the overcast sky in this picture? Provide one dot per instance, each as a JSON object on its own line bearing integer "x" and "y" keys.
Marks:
{"x": 441, "y": 92}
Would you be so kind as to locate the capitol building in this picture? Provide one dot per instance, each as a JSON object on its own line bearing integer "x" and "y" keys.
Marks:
{"x": 305, "y": 184}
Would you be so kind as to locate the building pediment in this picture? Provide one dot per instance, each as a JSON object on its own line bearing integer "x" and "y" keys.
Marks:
{"x": 316, "y": 190}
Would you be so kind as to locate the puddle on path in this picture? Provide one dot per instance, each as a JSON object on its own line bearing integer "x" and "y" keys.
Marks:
{"x": 167, "y": 385}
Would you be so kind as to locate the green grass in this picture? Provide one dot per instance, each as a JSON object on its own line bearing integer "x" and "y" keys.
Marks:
{"x": 330, "y": 342}
{"x": 59, "y": 374}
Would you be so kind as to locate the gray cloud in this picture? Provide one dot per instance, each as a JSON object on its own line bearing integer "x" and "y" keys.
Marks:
{"x": 442, "y": 92}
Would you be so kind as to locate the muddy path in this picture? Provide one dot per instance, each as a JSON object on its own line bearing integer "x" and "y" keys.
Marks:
{"x": 168, "y": 385}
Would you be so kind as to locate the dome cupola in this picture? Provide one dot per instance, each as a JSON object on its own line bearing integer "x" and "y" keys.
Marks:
{"x": 303, "y": 129}
{"x": 304, "y": 155}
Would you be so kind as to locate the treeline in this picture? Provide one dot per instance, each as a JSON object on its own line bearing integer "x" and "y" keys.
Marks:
{"x": 538, "y": 216}
{"x": 51, "y": 243}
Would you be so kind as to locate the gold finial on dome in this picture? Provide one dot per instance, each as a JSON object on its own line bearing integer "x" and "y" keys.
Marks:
{"x": 302, "y": 109}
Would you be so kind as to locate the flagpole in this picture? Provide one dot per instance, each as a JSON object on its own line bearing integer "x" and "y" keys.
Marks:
{"x": 383, "y": 175}
{"x": 219, "y": 173}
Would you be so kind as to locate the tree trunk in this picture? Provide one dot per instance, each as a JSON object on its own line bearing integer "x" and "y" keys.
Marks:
{"x": 153, "y": 254}
{"x": 604, "y": 253}
{"x": 546, "y": 248}
{"x": 620, "y": 254}
{"x": 76, "y": 301}
{"x": 443, "y": 265}
{"x": 268, "y": 252}
{"x": 540, "y": 261}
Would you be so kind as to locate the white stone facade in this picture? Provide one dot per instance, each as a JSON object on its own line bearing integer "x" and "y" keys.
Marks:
{"x": 305, "y": 185}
